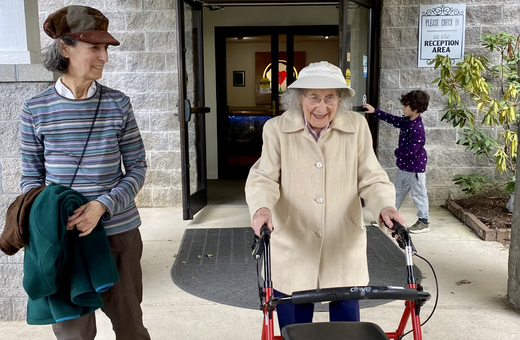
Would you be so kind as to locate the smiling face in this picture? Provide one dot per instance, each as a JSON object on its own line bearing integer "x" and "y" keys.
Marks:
{"x": 86, "y": 61}
{"x": 320, "y": 114}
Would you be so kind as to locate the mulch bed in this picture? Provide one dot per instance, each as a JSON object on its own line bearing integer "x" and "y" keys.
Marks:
{"x": 490, "y": 210}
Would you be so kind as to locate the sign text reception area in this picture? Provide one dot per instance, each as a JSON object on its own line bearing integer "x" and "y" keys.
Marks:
{"x": 441, "y": 31}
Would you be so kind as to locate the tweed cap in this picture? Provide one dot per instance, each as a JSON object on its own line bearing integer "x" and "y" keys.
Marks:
{"x": 82, "y": 23}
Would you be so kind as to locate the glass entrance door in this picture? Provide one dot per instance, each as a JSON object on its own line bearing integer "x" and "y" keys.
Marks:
{"x": 359, "y": 37}
{"x": 191, "y": 109}
{"x": 354, "y": 50}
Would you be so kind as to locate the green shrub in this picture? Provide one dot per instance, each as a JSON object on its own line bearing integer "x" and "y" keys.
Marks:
{"x": 494, "y": 89}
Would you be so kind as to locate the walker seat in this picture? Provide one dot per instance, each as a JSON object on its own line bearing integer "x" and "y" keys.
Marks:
{"x": 334, "y": 331}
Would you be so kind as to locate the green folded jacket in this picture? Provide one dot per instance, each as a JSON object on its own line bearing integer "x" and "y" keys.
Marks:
{"x": 64, "y": 274}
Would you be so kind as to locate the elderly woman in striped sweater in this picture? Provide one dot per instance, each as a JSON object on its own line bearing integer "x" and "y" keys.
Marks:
{"x": 79, "y": 133}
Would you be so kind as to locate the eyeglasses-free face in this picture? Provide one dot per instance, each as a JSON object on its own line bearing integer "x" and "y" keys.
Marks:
{"x": 319, "y": 107}
{"x": 86, "y": 61}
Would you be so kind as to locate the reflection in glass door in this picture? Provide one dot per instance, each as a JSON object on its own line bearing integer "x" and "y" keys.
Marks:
{"x": 359, "y": 54}
{"x": 356, "y": 60}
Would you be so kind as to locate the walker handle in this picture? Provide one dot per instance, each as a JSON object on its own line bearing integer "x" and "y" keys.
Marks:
{"x": 358, "y": 293}
{"x": 258, "y": 245}
{"x": 404, "y": 238}
{"x": 265, "y": 232}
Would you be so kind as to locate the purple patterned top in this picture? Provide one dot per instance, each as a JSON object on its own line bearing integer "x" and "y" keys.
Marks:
{"x": 410, "y": 155}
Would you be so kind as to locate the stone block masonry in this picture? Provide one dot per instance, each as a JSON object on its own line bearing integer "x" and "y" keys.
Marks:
{"x": 400, "y": 74}
{"x": 145, "y": 68}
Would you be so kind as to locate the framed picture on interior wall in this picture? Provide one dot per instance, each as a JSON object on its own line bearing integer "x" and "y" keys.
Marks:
{"x": 239, "y": 78}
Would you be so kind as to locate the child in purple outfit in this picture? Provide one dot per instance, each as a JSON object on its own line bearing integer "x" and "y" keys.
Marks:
{"x": 411, "y": 155}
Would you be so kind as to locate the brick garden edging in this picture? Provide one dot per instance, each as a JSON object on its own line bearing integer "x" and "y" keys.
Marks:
{"x": 483, "y": 231}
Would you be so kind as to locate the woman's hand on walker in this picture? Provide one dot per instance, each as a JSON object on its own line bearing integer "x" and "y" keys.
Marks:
{"x": 390, "y": 214}
{"x": 261, "y": 217}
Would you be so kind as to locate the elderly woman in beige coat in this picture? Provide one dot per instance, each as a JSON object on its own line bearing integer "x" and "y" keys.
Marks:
{"x": 317, "y": 163}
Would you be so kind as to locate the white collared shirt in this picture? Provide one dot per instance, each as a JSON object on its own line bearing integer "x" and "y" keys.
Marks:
{"x": 64, "y": 91}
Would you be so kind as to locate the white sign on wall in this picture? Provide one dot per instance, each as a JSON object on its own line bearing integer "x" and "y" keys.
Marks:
{"x": 441, "y": 31}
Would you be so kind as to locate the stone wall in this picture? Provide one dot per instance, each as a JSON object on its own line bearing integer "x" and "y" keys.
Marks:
{"x": 16, "y": 83}
{"x": 400, "y": 74}
{"x": 145, "y": 68}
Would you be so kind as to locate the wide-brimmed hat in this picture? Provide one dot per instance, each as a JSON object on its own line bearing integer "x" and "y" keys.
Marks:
{"x": 82, "y": 23}
{"x": 321, "y": 75}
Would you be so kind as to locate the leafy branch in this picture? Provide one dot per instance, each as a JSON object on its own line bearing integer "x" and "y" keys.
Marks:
{"x": 494, "y": 90}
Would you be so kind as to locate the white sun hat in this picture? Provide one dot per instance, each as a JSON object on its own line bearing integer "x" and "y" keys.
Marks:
{"x": 321, "y": 75}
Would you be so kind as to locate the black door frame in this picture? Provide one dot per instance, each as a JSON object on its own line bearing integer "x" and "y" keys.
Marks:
{"x": 192, "y": 202}
{"x": 374, "y": 34}
{"x": 221, "y": 33}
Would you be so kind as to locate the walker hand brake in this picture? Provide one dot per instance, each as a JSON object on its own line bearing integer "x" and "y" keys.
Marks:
{"x": 403, "y": 234}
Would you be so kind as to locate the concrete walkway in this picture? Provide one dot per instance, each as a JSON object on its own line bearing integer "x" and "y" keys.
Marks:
{"x": 476, "y": 310}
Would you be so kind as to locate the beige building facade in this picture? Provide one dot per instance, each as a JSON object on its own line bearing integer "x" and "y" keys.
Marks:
{"x": 145, "y": 67}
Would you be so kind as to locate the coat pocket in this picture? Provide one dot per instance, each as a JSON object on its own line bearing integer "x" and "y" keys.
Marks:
{"x": 284, "y": 226}
{"x": 349, "y": 223}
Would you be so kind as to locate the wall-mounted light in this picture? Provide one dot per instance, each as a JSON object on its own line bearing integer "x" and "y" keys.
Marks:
{"x": 326, "y": 37}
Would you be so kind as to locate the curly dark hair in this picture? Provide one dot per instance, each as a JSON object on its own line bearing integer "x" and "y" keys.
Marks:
{"x": 417, "y": 99}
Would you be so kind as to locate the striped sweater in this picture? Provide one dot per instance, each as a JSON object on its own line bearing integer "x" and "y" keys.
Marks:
{"x": 54, "y": 131}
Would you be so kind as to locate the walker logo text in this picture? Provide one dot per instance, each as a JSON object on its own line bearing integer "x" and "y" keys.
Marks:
{"x": 360, "y": 289}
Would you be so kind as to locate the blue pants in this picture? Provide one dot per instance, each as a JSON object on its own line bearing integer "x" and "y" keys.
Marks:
{"x": 289, "y": 313}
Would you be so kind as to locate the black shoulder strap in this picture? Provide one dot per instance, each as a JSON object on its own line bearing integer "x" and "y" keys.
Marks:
{"x": 89, "y": 134}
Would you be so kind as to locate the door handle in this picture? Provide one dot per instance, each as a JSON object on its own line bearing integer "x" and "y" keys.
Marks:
{"x": 187, "y": 111}
{"x": 200, "y": 110}
{"x": 193, "y": 110}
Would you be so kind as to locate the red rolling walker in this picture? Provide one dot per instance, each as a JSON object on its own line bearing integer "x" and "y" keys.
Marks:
{"x": 412, "y": 294}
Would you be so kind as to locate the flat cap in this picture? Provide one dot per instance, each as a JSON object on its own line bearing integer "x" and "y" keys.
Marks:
{"x": 82, "y": 23}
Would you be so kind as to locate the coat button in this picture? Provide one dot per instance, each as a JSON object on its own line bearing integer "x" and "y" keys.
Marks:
{"x": 319, "y": 233}
{"x": 319, "y": 200}
{"x": 319, "y": 165}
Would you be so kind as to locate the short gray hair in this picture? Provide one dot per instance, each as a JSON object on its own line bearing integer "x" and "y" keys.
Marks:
{"x": 291, "y": 99}
{"x": 53, "y": 59}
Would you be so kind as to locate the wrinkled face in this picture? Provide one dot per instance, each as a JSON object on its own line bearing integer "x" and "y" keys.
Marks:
{"x": 320, "y": 106}
{"x": 86, "y": 61}
{"x": 408, "y": 112}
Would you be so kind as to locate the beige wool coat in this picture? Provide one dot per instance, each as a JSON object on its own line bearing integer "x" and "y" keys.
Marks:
{"x": 313, "y": 190}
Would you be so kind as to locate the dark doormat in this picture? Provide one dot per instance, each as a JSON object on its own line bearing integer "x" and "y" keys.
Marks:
{"x": 216, "y": 265}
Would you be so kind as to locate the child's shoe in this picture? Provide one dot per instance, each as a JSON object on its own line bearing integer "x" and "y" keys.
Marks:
{"x": 420, "y": 227}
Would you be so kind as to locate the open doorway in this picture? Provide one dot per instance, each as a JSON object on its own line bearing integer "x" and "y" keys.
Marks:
{"x": 226, "y": 192}
{"x": 248, "y": 89}
{"x": 355, "y": 49}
